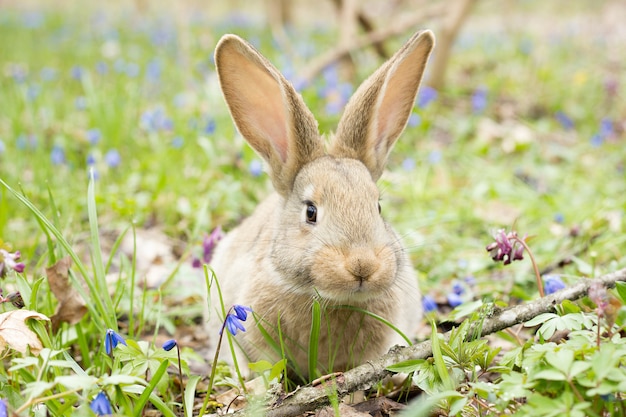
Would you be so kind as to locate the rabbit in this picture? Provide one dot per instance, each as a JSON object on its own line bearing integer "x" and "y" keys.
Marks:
{"x": 320, "y": 235}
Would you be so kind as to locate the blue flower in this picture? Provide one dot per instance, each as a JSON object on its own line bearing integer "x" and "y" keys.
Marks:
{"x": 235, "y": 318}
{"x": 233, "y": 324}
{"x": 153, "y": 70}
{"x": 112, "y": 158}
{"x": 3, "y": 409}
{"x": 241, "y": 311}
{"x": 559, "y": 218}
{"x": 101, "y": 405}
{"x": 564, "y": 120}
{"x": 553, "y": 284}
{"x": 93, "y": 136}
{"x": 169, "y": 344}
{"x": 458, "y": 288}
{"x": 57, "y": 155}
{"x": 102, "y": 67}
{"x": 429, "y": 304}
{"x": 426, "y": 96}
{"x": 454, "y": 299}
{"x": 255, "y": 168}
{"x": 408, "y": 164}
{"x": 177, "y": 142}
{"x": 209, "y": 128}
{"x": 479, "y": 100}
{"x": 414, "y": 120}
{"x": 111, "y": 340}
{"x": 77, "y": 72}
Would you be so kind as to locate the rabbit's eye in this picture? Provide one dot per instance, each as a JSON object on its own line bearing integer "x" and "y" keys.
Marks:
{"x": 311, "y": 213}
{"x": 379, "y": 209}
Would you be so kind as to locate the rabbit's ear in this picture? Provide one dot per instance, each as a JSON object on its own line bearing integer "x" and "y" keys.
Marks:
{"x": 267, "y": 111}
{"x": 379, "y": 110}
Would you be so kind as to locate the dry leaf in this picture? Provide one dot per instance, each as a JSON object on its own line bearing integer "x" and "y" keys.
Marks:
{"x": 16, "y": 334}
{"x": 71, "y": 307}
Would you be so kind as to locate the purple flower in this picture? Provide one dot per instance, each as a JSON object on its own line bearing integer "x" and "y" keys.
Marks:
{"x": 426, "y": 96}
{"x": 414, "y": 120}
{"x": 606, "y": 127}
{"x": 111, "y": 340}
{"x": 57, "y": 155}
{"x": 209, "y": 128}
{"x": 209, "y": 243}
{"x": 454, "y": 300}
{"x": 9, "y": 261}
{"x": 506, "y": 247}
{"x": 559, "y": 218}
{"x": 169, "y": 344}
{"x": 429, "y": 304}
{"x": 255, "y": 168}
{"x": 553, "y": 284}
{"x": 241, "y": 311}
{"x": 3, "y": 408}
{"x": 101, "y": 405}
{"x": 597, "y": 293}
{"x": 564, "y": 120}
{"x": 408, "y": 164}
{"x": 233, "y": 324}
{"x": 77, "y": 72}
{"x": 112, "y": 158}
{"x": 458, "y": 288}
{"x": 479, "y": 100}
{"x": 93, "y": 136}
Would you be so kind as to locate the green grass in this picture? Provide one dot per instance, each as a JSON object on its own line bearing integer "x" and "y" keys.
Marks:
{"x": 144, "y": 84}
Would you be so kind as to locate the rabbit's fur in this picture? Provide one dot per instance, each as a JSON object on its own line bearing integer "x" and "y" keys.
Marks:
{"x": 341, "y": 252}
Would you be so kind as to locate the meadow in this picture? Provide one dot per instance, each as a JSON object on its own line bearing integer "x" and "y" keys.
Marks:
{"x": 112, "y": 126}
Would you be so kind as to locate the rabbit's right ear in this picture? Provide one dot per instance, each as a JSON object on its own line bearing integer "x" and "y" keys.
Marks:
{"x": 267, "y": 111}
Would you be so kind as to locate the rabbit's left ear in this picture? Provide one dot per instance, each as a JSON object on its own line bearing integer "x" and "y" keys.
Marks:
{"x": 379, "y": 110}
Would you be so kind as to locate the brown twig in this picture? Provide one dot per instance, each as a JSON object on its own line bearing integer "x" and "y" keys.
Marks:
{"x": 365, "y": 376}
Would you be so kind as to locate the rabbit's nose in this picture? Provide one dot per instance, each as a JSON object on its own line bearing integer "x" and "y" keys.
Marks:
{"x": 362, "y": 263}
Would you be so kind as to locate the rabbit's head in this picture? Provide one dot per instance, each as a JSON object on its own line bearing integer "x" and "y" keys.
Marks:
{"x": 330, "y": 238}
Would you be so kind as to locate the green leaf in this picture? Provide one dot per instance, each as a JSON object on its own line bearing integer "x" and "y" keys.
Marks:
{"x": 540, "y": 319}
{"x": 260, "y": 366}
{"x": 278, "y": 369}
{"x": 190, "y": 394}
{"x": 549, "y": 374}
{"x": 314, "y": 337}
{"x": 147, "y": 393}
{"x": 620, "y": 286}
{"x": 408, "y": 366}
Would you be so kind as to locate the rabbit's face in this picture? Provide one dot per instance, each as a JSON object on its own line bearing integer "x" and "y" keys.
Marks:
{"x": 334, "y": 241}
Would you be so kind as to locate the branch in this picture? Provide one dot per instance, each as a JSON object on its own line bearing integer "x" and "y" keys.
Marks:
{"x": 402, "y": 25}
{"x": 365, "y": 376}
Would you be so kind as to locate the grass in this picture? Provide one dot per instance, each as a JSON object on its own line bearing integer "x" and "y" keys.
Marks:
{"x": 528, "y": 135}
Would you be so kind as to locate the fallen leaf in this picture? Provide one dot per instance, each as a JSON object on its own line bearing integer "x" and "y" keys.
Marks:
{"x": 16, "y": 334}
{"x": 71, "y": 307}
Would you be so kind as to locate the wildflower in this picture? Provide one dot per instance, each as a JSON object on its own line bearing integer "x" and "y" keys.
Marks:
{"x": 3, "y": 408}
{"x": 57, "y": 155}
{"x": 101, "y": 405}
{"x": 553, "y": 284}
{"x": 429, "y": 304}
{"x": 470, "y": 280}
{"x": 209, "y": 128}
{"x": 93, "y": 136}
{"x": 255, "y": 168}
{"x": 506, "y": 247}
{"x": 112, "y": 158}
{"x": 414, "y": 120}
{"x": 9, "y": 261}
{"x": 564, "y": 120}
{"x": 111, "y": 340}
{"x": 454, "y": 299}
{"x": 91, "y": 159}
{"x": 235, "y": 318}
{"x": 606, "y": 127}
{"x": 434, "y": 157}
{"x": 77, "y": 72}
{"x": 177, "y": 142}
{"x": 208, "y": 246}
{"x": 479, "y": 100}
{"x": 458, "y": 288}
{"x": 597, "y": 293}
{"x": 153, "y": 70}
{"x": 102, "y": 67}
{"x": 408, "y": 164}
{"x": 169, "y": 344}
{"x": 559, "y": 218}
{"x": 426, "y": 96}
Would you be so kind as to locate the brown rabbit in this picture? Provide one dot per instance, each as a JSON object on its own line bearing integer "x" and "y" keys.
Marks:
{"x": 320, "y": 236}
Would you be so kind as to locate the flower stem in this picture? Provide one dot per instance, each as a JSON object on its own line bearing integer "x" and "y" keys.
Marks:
{"x": 182, "y": 385}
{"x": 535, "y": 268}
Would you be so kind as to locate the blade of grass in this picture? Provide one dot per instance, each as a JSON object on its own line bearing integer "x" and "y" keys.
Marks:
{"x": 147, "y": 392}
{"x": 314, "y": 338}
